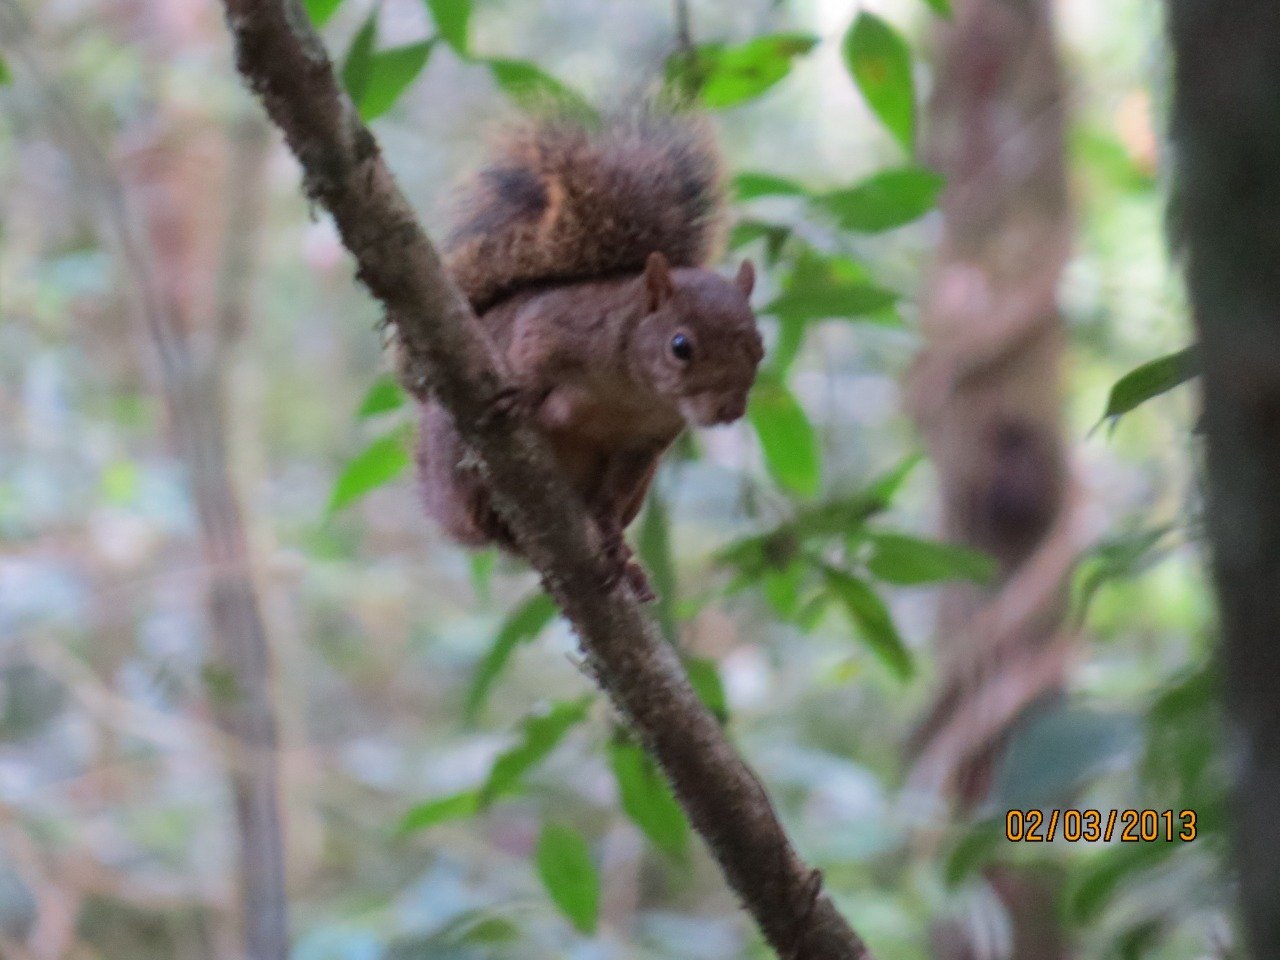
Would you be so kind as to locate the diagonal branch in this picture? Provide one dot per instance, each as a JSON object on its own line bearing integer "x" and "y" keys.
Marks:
{"x": 445, "y": 352}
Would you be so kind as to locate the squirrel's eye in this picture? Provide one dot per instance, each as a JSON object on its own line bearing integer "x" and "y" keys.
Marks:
{"x": 681, "y": 348}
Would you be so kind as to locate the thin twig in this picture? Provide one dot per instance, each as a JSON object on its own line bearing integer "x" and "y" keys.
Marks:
{"x": 684, "y": 29}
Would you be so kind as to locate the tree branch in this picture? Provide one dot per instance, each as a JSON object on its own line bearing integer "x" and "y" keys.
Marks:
{"x": 1226, "y": 128}
{"x": 445, "y": 352}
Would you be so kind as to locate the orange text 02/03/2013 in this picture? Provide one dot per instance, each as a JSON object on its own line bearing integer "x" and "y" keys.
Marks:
{"x": 1128, "y": 826}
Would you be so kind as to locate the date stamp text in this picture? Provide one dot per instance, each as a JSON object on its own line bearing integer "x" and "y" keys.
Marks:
{"x": 1073, "y": 826}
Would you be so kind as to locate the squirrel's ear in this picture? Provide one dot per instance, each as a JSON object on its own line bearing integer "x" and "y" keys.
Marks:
{"x": 657, "y": 279}
{"x": 746, "y": 279}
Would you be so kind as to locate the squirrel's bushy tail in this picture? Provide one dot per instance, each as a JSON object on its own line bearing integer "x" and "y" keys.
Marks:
{"x": 561, "y": 199}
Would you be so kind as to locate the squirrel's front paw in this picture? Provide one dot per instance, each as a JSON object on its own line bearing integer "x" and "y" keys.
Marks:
{"x": 639, "y": 581}
{"x": 516, "y": 402}
{"x": 512, "y": 401}
{"x": 623, "y": 567}
{"x": 633, "y": 575}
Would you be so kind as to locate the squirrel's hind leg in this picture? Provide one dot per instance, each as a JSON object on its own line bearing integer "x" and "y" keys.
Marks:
{"x": 454, "y": 494}
{"x": 623, "y": 481}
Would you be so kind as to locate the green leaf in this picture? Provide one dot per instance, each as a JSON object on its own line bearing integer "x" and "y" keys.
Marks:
{"x": 320, "y": 11}
{"x": 1117, "y": 866}
{"x": 384, "y": 396}
{"x": 704, "y": 677}
{"x": 871, "y": 618}
{"x": 654, "y": 546}
{"x": 907, "y": 561}
{"x": 792, "y": 328}
{"x": 378, "y": 464}
{"x": 879, "y": 61}
{"x": 356, "y": 66}
{"x": 840, "y": 517}
{"x": 787, "y": 438}
{"x": 1108, "y": 164}
{"x": 482, "y": 563}
{"x": 490, "y": 931}
{"x": 748, "y": 231}
{"x": 975, "y": 848}
{"x": 529, "y": 86}
{"x": 887, "y": 200}
{"x": 6, "y": 75}
{"x": 475, "y": 926}
{"x": 524, "y": 623}
{"x": 781, "y": 588}
{"x": 121, "y": 482}
{"x": 821, "y": 286}
{"x": 941, "y": 7}
{"x": 1183, "y": 728}
{"x": 748, "y": 186}
{"x": 647, "y": 799}
{"x": 389, "y": 74}
{"x": 810, "y": 614}
{"x": 685, "y": 71}
{"x": 1150, "y": 380}
{"x": 886, "y": 486}
{"x": 453, "y": 20}
{"x": 1192, "y": 691}
{"x": 731, "y": 75}
{"x": 564, "y": 863}
{"x": 456, "y": 806}
{"x": 220, "y": 684}
{"x": 1055, "y": 752}
{"x": 1118, "y": 558}
{"x": 540, "y": 734}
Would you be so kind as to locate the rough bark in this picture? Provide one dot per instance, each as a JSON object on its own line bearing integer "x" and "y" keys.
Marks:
{"x": 1226, "y": 116}
{"x": 986, "y": 392}
{"x": 446, "y": 355}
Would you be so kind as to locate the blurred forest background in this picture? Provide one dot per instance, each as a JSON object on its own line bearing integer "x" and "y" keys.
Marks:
{"x": 176, "y": 324}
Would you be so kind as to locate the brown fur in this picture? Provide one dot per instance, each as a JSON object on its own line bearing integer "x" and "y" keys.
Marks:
{"x": 560, "y": 200}
{"x": 566, "y": 253}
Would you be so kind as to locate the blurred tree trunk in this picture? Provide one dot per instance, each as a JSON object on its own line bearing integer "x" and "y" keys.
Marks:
{"x": 182, "y": 209}
{"x": 238, "y": 673}
{"x": 199, "y": 191}
{"x": 1226, "y": 117}
{"x": 986, "y": 391}
{"x": 204, "y": 292}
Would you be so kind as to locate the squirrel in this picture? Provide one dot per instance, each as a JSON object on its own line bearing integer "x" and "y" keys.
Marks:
{"x": 583, "y": 249}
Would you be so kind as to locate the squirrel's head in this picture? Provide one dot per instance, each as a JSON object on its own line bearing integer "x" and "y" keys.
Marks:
{"x": 698, "y": 345}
